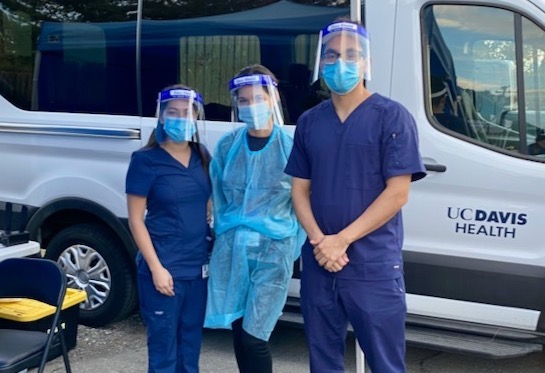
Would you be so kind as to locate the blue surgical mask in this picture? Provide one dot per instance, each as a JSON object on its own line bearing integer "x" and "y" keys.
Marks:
{"x": 179, "y": 129}
{"x": 342, "y": 77}
{"x": 256, "y": 116}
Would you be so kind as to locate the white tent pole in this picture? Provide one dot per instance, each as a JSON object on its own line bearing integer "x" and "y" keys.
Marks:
{"x": 355, "y": 10}
{"x": 355, "y": 15}
{"x": 360, "y": 359}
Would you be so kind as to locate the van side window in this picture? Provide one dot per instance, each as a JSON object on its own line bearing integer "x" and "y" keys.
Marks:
{"x": 16, "y": 58}
{"x": 206, "y": 62}
{"x": 83, "y": 57}
{"x": 206, "y": 52}
{"x": 300, "y": 93}
{"x": 59, "y": 61}
{"x": 478, "y": 54}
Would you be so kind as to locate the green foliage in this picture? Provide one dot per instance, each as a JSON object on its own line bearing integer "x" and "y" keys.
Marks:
{"x": 124, "y": 10}
{"x": 336, "y": 3}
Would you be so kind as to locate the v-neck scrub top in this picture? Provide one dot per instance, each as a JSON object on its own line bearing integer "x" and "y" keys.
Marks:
{"x": 176, "y": 209}
{"x": 348, "y": 165}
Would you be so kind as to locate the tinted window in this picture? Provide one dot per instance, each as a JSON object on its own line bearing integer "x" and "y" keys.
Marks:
{"x": 88, "y": 56}
{"x": 205, "y": 52}
{"x": 478, "y": 53}
{"x": 52, "y": 58}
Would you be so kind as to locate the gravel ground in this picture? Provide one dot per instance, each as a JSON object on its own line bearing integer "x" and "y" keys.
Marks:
{"x": 93, "y": 342}
{"x": 121, "y": 348}
{"x": 118, "y": 347}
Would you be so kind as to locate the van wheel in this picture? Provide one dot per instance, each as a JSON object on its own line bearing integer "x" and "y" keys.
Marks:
{"x": 88, "y": 255}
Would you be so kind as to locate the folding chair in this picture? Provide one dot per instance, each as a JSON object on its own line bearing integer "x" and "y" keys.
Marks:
{"x": 42, "y": 280}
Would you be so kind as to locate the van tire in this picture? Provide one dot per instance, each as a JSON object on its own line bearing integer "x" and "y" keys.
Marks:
{"x": 88, "y": 255}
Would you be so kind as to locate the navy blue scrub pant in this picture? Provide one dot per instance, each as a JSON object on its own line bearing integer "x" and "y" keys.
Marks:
{"x": 376, "y": 310}
{"x": 174, "y": 324}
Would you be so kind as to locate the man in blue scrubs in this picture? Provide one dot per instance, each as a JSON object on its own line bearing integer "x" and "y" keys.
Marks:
{"x": 352, "y": 163}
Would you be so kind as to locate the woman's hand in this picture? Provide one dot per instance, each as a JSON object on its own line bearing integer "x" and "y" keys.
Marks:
{"x": 163, "y": 281}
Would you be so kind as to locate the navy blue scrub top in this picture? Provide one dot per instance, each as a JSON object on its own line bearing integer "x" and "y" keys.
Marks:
{"x": 176, "y": 209}
{"x": 348, "y": 165}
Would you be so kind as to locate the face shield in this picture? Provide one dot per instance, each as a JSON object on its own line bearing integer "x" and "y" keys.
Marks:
{"x": 342, "y": 57}
{"x": 178, "y": 110}
{"x": 255, "y": 101}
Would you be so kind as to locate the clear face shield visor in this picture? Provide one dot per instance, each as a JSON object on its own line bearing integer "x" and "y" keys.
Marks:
{"x": 178, "y": 110}
{"x": 342, "y": 56}
{"x": 255, "y": 101}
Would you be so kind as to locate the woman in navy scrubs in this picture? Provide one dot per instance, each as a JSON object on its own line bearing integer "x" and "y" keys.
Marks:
{"x": 168, "y": 193}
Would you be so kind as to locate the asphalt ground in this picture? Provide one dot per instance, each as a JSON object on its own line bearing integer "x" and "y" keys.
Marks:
{"x": 121, "y": 348}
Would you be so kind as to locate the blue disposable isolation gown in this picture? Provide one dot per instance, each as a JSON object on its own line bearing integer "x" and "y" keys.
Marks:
{"x": 257, "y": 233}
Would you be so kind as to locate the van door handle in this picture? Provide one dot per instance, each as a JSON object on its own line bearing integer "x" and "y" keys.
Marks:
{"x": 435, "y": 167}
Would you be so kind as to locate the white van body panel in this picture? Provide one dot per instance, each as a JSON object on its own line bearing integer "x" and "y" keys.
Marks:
{"x": 34, "y": 182}
{"x": 445, "y": 210}
{"x": 485, "y": 213}
{"x": 472, "y": 312}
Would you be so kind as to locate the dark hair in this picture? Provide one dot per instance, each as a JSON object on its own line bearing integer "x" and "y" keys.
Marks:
{"x": 257, "y": 69}
{"x": 195, "y": 145}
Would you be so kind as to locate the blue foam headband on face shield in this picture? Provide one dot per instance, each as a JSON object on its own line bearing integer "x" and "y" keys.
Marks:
{"x": 329, "y": 31}
{"x": 178, "y": 93}
{"x": 338, "y": 28}
{"x": 256, "y": 79}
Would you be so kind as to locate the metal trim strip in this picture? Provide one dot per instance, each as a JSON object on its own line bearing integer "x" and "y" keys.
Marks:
{"x": 40, "y": 129}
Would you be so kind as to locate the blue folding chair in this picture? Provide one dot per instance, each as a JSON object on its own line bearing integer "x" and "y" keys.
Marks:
{"x": 42, "y": 280}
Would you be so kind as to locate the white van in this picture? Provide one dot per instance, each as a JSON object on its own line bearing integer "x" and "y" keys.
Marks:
{"x": 77, "y": 96}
